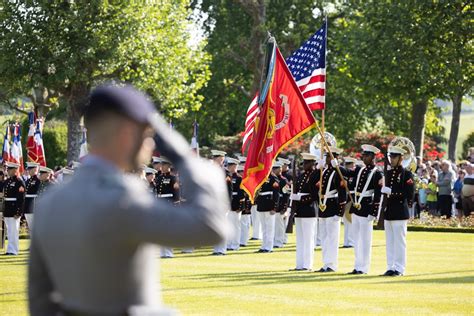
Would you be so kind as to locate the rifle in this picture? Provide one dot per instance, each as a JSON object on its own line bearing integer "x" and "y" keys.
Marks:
{"x": 383, "y": 203}
{"x": 291, "y": 206}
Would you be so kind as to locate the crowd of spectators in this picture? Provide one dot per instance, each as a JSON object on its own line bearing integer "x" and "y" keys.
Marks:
{"x": 445, "y": 188}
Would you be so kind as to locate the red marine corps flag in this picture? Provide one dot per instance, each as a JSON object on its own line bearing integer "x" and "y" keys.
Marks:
{"x": 283, "y": 117}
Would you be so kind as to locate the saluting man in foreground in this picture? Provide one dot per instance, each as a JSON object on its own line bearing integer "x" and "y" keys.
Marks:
{"x": 91, "y": 250}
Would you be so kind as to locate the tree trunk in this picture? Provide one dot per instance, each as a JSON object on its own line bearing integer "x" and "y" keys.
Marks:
{"x": 256, "y": 41}
{"x": 418, "y": 119}
{"x": 453, "y": 135}
{"x": 77, "y": 101}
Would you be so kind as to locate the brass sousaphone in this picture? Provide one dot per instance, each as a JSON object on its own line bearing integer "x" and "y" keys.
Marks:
{"x": 408, "y": 159}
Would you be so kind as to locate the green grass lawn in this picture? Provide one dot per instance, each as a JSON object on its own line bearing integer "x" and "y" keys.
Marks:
{"x": 439, "y": 280}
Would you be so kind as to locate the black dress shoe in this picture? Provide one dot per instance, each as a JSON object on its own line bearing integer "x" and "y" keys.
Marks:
{"x": 396, "y": 273}
{"x": 260, "y": 251}
{"x": 253, "y": 238}
{"x": 321, "y": 270}
{"x": 347, "y": 246}
{"x": 388, "y": 273}
{"x": 329, "y": 270}
{"x": 360, "y": 272}
{"x": 296, "y": 269}
{"x": 353, "y": 272}
{"x": 242, "y": 245}
{"x": 218, "y": 254}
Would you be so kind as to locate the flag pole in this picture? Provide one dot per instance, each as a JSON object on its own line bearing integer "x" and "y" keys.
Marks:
{"x": 324, "y": 109}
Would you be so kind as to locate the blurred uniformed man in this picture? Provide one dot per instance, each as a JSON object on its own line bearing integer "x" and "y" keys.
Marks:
{"x": 331, "y": 209}
{"x": 14, "y": 195}
{"x": 32, "y": 187}
{"x": 236, "y": 204}
{"x": 45, "y": 179}
{"x": 399, "y": 190}
{"x": 349, "y": 165}
{"x": 304, "y": 196}
{"x": 218, "y": 158}
{"x": 156, "y": 163}
{"x": 92, "y": 249}
{"x": 267, "y": 204}
{"x": 365, "y": 207}
{"x": 150, "y": 175}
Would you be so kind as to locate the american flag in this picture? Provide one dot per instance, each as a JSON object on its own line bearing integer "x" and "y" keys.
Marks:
{"x": 308, "y": 66}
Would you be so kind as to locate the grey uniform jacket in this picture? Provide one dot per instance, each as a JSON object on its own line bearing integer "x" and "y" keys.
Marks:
{"x": 91, "y": 247}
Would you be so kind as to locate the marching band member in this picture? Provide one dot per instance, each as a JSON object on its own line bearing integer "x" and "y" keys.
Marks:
{"x": 218, "y": 158}
{"x": 331, "y": 209}
{"x": 237, "y": 198}
{"x": 365, "y": 208}
{"x": 399, "y": 191}
{"x": 349, "y": 164}
{"x": 281, "y": 212}
{"x": 304, "y": 196}
{"x": 267, "y": 204}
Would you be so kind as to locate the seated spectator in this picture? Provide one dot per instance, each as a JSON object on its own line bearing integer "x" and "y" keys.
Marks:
{"x": 432, "y": 195}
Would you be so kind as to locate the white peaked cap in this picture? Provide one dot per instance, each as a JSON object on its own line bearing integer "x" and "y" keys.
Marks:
{"x": 150, "y": 170}
{"x": 349, "y": 160}
{"x": 218, "y": 153}
{"x": 232, "y": 161}
{"x": 284, "y": 161}
{"x": 396, "y": 150}
{"x": 370, "y": 148}
{"x": 308, "y": 156}
{"x": 32, "y": 165}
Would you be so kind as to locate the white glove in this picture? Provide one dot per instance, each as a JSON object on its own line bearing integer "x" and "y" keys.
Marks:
{"x": 370, "y": 218}
{"x": 386, "y": 190}
{"x": 334, "y": 162}
{"x": 321, "y": 163}
{"x": 295, "y": 196}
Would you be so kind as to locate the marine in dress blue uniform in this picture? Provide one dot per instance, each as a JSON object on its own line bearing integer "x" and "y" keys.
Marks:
{"x": 399, "y": 191}
{"x": 14, "y": 195}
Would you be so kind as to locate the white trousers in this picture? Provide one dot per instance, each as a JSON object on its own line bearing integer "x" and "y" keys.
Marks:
{"x": 329, "y": 229}
{"x": 166, "y": 252}
{"x": 29, "y": 220}
{"x": 362, "y": 229}
{"x": 396, "y": 244}
{"x": 348, "y": 232}
{"x": 267, "y": 221}
{"x": 281, "y": 222}
{"x": 256, "y": 225}
{"x": 13, "y": 234}
{"x": 317, "y": 235}
{"x": 244, "y": 229}
{"x": 305, "y": 231}
{"x": 234, "y": 240}
{"x": 222, "y": 246}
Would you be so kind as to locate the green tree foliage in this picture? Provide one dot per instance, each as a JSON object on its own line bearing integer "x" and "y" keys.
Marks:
{"x": 387, "y": 60}
{"x": 67, "y": 47}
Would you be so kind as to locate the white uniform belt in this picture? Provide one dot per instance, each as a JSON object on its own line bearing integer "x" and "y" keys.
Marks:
{"x": 352, "y": 192}
{"x": 235, "y": 193}
{"x": 303, "y": 194}
{"x": 266, "y": 193}
{"x": 31, "y": 195}
{"x": 165, "y": 195}
{"x": 10, "y": 199}
{"x": 367, "y": 193}
{"x": 331, "y": 194}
